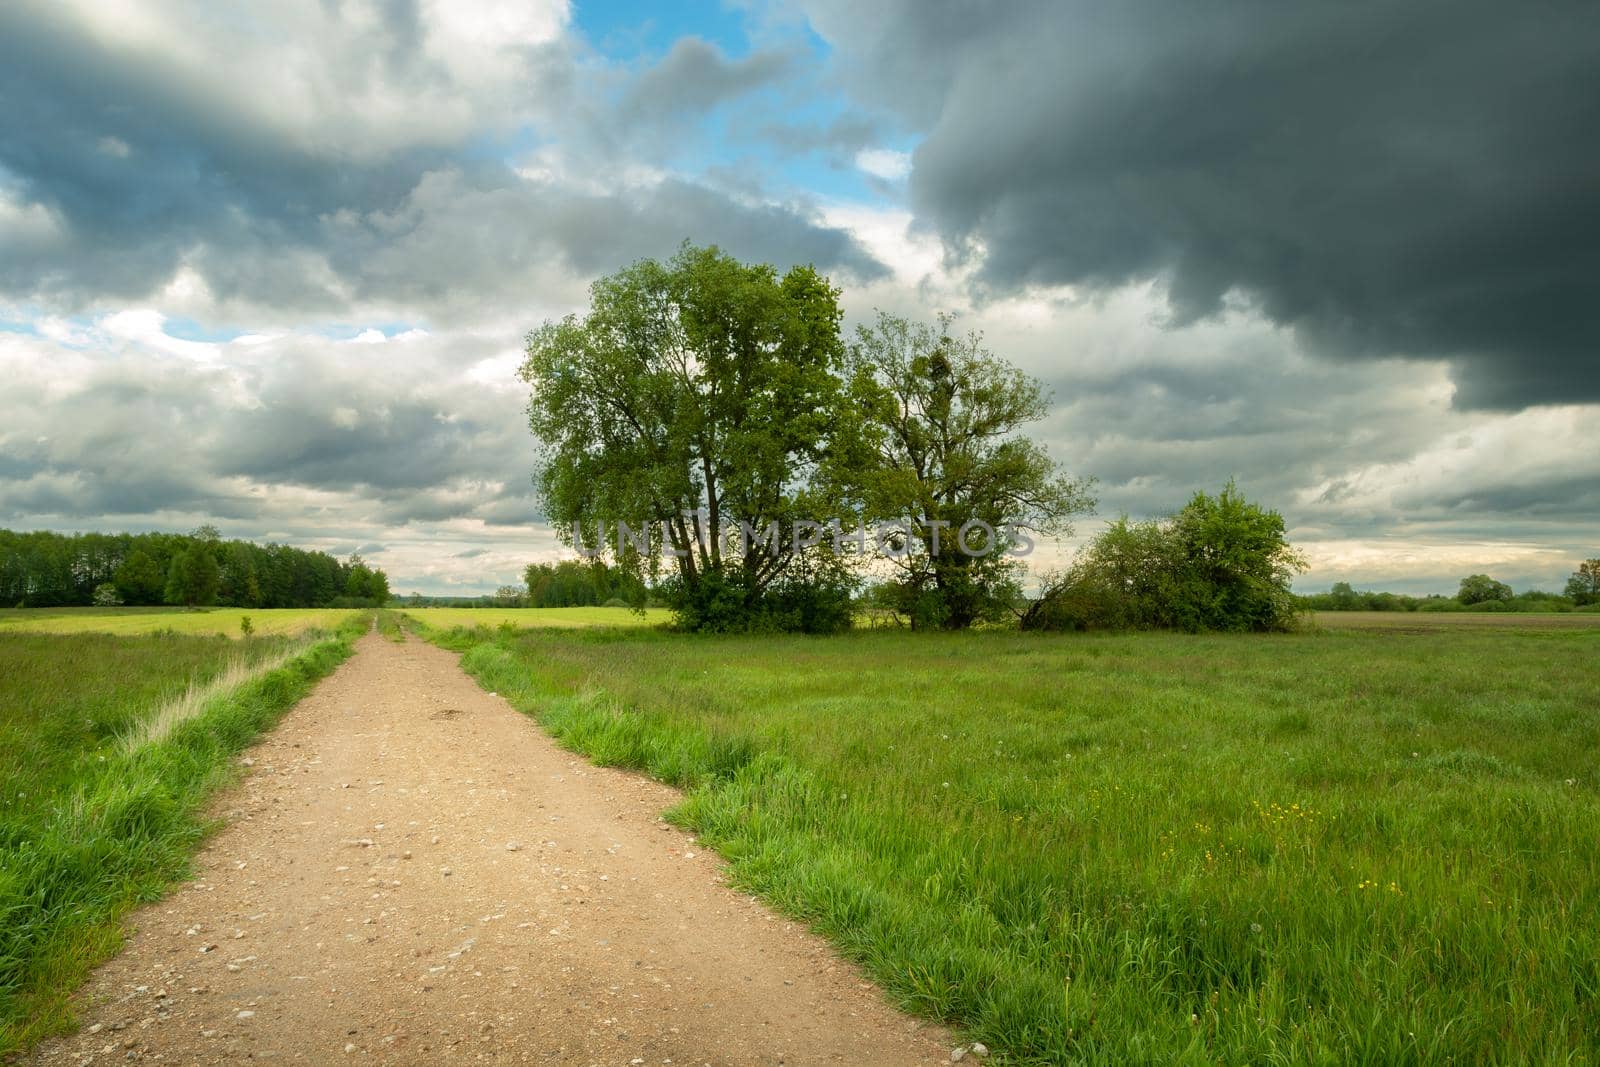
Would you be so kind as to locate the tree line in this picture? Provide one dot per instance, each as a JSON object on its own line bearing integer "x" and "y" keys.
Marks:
{"x": 571, "y": 584}
{"x": 1477, "y": 592}
{"x": 720, "y": 404}
{"x": 46, "y": 569}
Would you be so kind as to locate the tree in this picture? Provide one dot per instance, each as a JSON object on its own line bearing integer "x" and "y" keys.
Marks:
{"x": 364, "y": 582}
{"x": 378, "y": 587}
{"x": 45, "y": 569}
{"x": 192, "y": 578}
{"x": 1584, "y": 585}
{"x": 1482, "y": 589}
{"x": 139, "y": 579}
{"x": 696, "y": 395}
{"x": 106, "y": 596}
{"x": 357, "y": 582}
{"x": 939, "y": 449}
{"x": 239, "y": 585}
{"x": 1221, "y": 563}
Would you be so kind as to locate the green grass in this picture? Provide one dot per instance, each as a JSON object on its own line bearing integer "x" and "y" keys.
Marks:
{"x": 1322, "y": 848}
{"x": 528, "y": 618}
{"x": 122, "y": 621}
{"x": 91, "y": 823}
{"x": 391, "y": 625}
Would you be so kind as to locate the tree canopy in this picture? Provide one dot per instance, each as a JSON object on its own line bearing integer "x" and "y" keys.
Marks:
{"x": 939, "y": 447}
{"x": 47, "y": 569}
{"x": 1482, "y": 589}
{"x": 695, "y": 395}
{"x": 1584, "y": 585}
{"x": 569, "y": 583}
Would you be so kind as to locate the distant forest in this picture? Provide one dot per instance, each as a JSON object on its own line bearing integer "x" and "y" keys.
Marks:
{"x": 1478, "y": 592}
{"x": 44, "y": 569}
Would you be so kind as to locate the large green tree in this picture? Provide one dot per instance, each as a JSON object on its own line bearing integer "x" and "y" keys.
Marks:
{"x": 696, "y": 395}
{"x": 139, "y": 579}
{"x": 193, "y": 577}
{"x": 1482, "y": 589}
{"x": 940, "y": 449}
{"x": 1584, "y": 585}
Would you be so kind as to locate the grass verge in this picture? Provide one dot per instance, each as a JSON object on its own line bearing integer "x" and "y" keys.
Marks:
{"x": 100, "y": 816}
{"x": 1319, "y": 848}
{"x": 389, "y": 624}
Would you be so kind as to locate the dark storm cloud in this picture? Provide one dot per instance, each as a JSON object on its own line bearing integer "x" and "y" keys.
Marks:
{"x": 141, "y": 169}
{"x": 1558, "y": 496}
{"x": 1417, "y": 179}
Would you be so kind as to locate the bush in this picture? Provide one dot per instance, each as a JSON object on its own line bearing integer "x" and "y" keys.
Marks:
{"x": 1482, "y": 589}
{"x": 810, "y": 599}
{"x": 1222, "y": 563}
{"x": 106, "y": 596}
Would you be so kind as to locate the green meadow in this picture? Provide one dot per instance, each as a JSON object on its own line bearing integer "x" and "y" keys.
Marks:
{"x": 1354, "y": 845}
{"x": 225, "y": 621}
{"x": 558, "y": 618}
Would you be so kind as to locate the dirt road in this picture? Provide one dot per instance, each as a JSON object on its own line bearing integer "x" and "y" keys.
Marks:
{"x": 412, "y": 872}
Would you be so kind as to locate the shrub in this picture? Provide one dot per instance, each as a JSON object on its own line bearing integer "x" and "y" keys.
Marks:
{"x": 1482, "y": 589}
{"x": 808, "y": 598}
{"x": 1222, "y": 563}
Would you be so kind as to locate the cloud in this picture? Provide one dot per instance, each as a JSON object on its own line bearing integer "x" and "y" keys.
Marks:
{"x": 884, "y": 163}
{"x": 1379, "y": 456}
{"x": 154, "y": 429}
{"x": 1412, "y": 180}
{"x": 275, "y": 272}
{"x": 330, "y": 155}
{"x": 695, "y": 77}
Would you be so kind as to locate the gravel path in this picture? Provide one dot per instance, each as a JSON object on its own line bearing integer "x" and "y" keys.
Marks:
{"x": 412, "y": 872}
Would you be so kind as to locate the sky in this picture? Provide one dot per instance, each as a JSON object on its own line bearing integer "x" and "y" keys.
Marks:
{"x": 271, "y": 266}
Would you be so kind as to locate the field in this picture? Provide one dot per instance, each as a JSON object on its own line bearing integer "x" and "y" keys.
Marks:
{"x": 108, "y": 746}
{"x": 445, "y": 618}
{"x": 288, "y": 621}
{"x": 1375, "y": 841}
{"x": 1341, "y": 846}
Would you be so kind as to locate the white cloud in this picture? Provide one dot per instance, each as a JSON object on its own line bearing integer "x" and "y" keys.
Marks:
{"x": 324, "y": 75}
{"x": 884, "y": 163}
{"x": 146, "y": 327}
